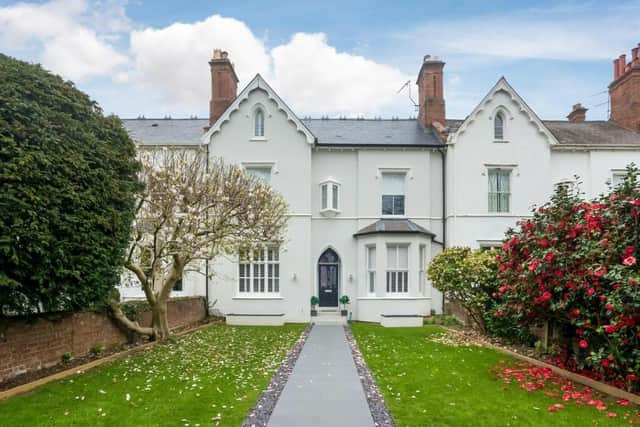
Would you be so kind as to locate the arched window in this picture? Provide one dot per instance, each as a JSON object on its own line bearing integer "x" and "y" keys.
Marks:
{"x": 498, "y": 126}
{"x": 259, "y": 123}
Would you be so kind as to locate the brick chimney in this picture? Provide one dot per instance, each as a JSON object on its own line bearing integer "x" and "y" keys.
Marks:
{"x": 577, "y": 114}
{"x": 431, "y": 93}
{"x": 224, "y": 85}
{"x": 624, "y": 91}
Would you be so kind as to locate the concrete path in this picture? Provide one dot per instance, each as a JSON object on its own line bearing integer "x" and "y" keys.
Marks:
{"x": 324, "y": 388}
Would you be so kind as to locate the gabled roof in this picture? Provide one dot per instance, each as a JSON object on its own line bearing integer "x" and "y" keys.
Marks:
{"x": 403, "y": 226}
{"x": 259, "y": 83}
{"x": 372, "y": 133}
{"x": 503, "y": 86}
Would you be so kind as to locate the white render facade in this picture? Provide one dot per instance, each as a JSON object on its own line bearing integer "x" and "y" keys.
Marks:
{"x": 368, "y": 207}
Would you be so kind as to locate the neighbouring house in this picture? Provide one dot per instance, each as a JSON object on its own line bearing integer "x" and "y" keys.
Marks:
{"x": 372, "y": 201}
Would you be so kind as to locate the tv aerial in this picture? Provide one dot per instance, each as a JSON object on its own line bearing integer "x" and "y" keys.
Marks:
{"x": 407, "y": 85}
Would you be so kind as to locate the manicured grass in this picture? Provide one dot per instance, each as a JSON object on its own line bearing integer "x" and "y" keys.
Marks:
{"x": 212, "y": 377}
{"x": 432, "y": 384}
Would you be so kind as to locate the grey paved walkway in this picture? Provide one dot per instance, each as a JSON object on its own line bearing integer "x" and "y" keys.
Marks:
{"x": 324, "y": 388}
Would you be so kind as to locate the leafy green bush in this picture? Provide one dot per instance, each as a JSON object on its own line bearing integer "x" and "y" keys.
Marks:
{"x": 466, "y": 277}
{"x": 97, "y": 350}
{"x": 68, "y": 177}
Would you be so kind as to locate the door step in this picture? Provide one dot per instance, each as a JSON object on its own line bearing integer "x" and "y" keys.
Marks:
{"x": 329, "y": 318}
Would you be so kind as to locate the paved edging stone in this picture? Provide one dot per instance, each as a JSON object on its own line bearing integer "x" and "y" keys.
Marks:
{"x": 375, "y": 399}
{"x": 261, "y": 412}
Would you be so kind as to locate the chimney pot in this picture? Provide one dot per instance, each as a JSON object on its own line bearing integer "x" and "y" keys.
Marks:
{"x": 624, "y": 91}
{"x": 578, "y": 113}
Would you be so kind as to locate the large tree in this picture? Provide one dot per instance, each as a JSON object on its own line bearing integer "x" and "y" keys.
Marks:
{"x": 68, "y": 176}
{"x": 190, "y": 211}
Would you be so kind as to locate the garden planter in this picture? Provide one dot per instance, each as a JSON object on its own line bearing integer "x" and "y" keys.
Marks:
{"x": 343, "y": 312}
{"x": 314, "y": 313}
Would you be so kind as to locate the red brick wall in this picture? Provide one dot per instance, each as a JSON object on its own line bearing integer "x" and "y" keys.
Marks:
{"x": 41, "y": 342}
{"x": 625, "y": 99}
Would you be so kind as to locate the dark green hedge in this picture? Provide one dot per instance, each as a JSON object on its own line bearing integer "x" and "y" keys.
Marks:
{"x": 67, "y": 185}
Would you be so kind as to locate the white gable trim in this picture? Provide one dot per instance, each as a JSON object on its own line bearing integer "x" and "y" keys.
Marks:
{"x": 503, "y": 86}
{"x": 258, "y": 83}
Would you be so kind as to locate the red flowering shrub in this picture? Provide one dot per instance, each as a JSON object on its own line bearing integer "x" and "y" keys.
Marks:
{"x": 574, "y": 264}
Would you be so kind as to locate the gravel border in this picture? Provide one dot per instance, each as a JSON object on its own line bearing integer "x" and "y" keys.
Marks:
{"x": 261, "y": 412}
{"x": 377, "y": 405}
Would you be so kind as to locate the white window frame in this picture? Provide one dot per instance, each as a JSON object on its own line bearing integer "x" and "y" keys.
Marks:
{"x": 509, "y": 170}
{"x": 371, "y": 268}
{"x": 269, "y": 166}
{"x": 503, "y": 118}
{"x": 622, "y": 173}
{"x": 259, "y": 273}
{"x": 405, "y": 174}
{"x": 258, "y": 127}
{"x": 422, "y": 268}
{"x": 331, "y": 189}
{"x": 397, "y": 277}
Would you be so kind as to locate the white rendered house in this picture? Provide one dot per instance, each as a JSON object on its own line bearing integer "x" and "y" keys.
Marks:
{"x": 372, "y": 201}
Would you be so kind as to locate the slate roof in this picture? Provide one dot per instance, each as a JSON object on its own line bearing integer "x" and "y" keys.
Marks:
{"x": 166, "y": 131}
{"x": 393, "y": 226}
{"x": 379, "y": 133}
{"x": 371, "y": 133}
{"x": 594, "y": 133}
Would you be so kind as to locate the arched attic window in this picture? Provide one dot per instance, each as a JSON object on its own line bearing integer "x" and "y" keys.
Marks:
{"x": 258, "y": 129}
{"x": 498, "y": 126}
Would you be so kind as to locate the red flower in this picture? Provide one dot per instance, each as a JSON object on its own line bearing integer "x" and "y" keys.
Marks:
{"x": 533, "y": 265}
{"x": 549, "y": 257}
{"x": 605, "y": 363}
{"x": 629, "y": 261}
{"x": 583, "y": 344}
{"x": 632, "y": 377}
{"x": 600, "y": 271}
{"x": 546, "y": 296}
{"x": 609, "y": 329}
{"x": 591, "y": 292}
{"x": 609, "y": 306}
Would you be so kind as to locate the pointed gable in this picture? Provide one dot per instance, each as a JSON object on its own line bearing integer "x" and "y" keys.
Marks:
{"x": 259, "y": 83}
{"x": 502, "y": 86}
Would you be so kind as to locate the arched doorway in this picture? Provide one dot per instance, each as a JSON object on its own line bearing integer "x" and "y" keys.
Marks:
{"x": 328, "y": 278}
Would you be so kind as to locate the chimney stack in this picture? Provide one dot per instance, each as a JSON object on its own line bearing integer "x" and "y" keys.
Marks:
{"x": 224, "y": 85}
{"x": 578, "y": 114}
{"x": 624, "y": 91}
{"x": 431, "y": 93}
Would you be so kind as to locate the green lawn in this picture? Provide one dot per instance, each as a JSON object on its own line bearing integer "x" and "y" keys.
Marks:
{"x": 212, "y": 377}
{"x": 432, "y": 384}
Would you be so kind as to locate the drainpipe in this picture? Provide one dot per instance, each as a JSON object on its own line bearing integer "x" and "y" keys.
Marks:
{"x": 206, "y": 261}
{"x": 443, "y": 153}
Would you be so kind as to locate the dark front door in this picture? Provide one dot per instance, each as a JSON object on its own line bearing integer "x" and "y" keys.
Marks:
{"x": 328, "y": 278}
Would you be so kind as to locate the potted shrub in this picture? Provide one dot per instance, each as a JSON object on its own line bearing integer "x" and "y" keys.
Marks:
{"x": 314, "y": 303}
{"x": 344, "y": 300}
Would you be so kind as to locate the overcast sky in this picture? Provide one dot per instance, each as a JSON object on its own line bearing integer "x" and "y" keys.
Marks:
{"x": 325, "y": 57}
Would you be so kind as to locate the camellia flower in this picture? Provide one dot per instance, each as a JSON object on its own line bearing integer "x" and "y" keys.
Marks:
{"x": 608, "y": 307}
{"x": 609, "y": 329}
{"x": 591, "y": 292}
{"x": 629, "y": 261}
{"x": 583, "y": 344}
{"x": 546, "y": 296}
{"x": 533, "y": 265}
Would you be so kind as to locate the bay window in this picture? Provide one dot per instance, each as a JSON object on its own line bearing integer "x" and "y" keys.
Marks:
{"x": 371, "y": 269}
{"x": 259, "y": 270}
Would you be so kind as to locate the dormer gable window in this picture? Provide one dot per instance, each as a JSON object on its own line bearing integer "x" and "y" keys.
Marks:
{"x": 258, "y": 128}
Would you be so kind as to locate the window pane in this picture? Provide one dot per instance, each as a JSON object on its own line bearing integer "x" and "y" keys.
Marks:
{"x": 260, "y": 172}
{"x": 503, "y": 183}
{"x": 403, "y": 257}
{"x": 324, "y": 196}
{"x": 259, "y": 123}
{"x": 498, "y": 128}
{"x": 334, "y": 196}
{"x": 372, "y": 282}
{"x": 391, "y": 256}
{"x": 387, "y": 205}
{"x": 398, "y": 205}
{"x": 393, "y": 183}
{"x": 371, "y": 257}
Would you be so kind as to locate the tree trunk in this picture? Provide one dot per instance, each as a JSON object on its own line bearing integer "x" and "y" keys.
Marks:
{"x": 160, "y": 320}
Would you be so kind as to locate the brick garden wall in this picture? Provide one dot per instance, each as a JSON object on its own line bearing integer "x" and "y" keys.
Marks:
{"x": 41, "y": 342}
